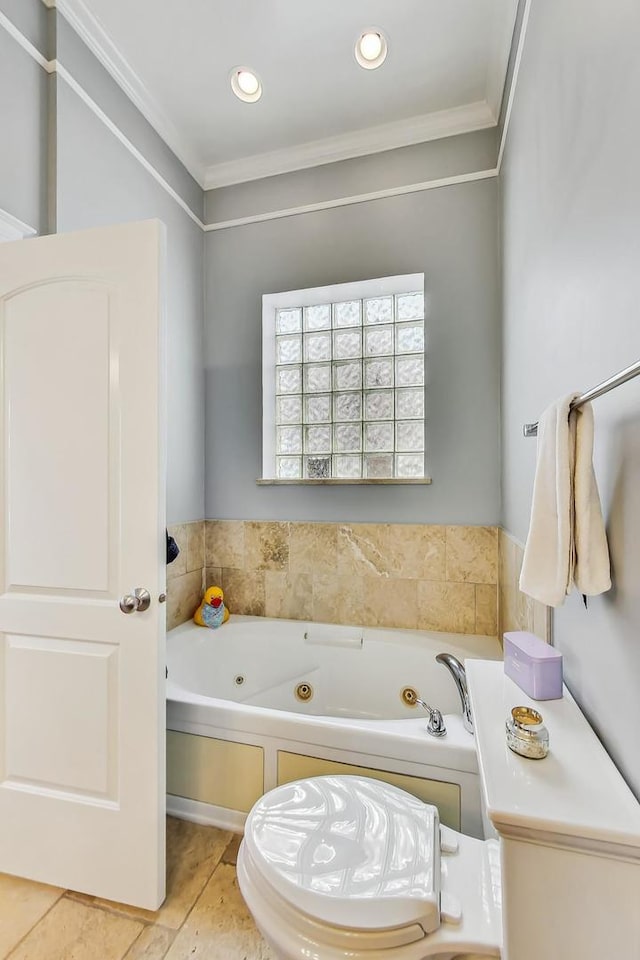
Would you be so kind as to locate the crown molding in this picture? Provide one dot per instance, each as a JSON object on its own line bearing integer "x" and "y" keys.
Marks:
{"x": 504, "y": 23}
{"x": 94, "y": 36}
{"x": 358, "y": 143}
{"x": 351, "y": 199}
{"x": 514, "y": 80}
{"x": 13, "y": 229}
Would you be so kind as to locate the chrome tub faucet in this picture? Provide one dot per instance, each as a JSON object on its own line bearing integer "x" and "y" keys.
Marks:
{"x": 435, "y": 726}
{"x": 459, "y": 674}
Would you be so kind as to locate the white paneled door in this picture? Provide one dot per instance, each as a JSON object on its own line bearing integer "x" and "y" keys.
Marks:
{"x": 82, "y": 500}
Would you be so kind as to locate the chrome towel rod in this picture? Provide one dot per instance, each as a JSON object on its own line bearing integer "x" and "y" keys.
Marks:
{"x": 531, "y": 429}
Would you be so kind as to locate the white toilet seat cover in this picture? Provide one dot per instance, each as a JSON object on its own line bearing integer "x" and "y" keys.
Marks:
{"x": 349, "y": 851}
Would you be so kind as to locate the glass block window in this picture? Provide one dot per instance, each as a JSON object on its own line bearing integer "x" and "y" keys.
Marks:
{"x": 347, "y": 393}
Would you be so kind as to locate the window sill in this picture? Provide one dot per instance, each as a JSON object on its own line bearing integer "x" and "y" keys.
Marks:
{"x": 397, "y": 481}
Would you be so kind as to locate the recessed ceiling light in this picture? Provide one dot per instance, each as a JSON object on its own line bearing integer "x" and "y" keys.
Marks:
{"x": 246, "y": 84}
{"x": 371, "y": 49}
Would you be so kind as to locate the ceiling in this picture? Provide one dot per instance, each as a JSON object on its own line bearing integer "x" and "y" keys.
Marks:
{"x": 444, "y": 74}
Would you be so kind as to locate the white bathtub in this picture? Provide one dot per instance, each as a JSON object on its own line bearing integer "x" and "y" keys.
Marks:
{"x": 237, "y": 728}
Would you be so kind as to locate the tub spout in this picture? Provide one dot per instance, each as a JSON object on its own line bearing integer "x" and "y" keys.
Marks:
{"x": 459, "y": 675}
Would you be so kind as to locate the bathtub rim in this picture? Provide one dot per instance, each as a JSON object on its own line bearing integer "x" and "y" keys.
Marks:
{"x": 401, "y": 738}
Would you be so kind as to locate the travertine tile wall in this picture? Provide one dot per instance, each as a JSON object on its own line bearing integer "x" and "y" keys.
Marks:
{"x": 401, "y": 575}
{"x": 517, "y": 611}
{"x": 456, "y": 578}
{"x": 185, "y": 576}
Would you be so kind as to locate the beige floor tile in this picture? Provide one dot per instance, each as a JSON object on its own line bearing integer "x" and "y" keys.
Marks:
{"x": 152, "y": 944}
{"x": 193, "y": 852}
{"x": 76, "y": 931}
{"x": 231, "y": 853}
{"x": 220, "y": 927}
{"x": 22, "y": 904}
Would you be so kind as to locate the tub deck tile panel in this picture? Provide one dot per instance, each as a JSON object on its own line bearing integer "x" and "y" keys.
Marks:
{"x": 219, "y": 772}
{"x": 445, "y": 796}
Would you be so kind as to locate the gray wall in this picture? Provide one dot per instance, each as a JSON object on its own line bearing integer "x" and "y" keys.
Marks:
{"x": 450, "y": 234}
{"x": 23, "y": 130}
{"x": 571, "y": 241}
{"x": 98, "y": 182}
{"x": 32, "y": 19}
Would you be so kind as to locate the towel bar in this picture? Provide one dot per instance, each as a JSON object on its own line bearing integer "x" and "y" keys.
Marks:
{"x": 531, "y": 429}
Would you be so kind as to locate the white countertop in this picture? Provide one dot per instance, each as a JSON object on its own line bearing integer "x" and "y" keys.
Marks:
{"x": 575, "y": 796}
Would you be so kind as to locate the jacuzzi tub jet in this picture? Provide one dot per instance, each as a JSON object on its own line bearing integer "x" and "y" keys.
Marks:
{"x": 304, "y": 692}
{"x": 239, "y": 680}
{"x": 409, "y": 696}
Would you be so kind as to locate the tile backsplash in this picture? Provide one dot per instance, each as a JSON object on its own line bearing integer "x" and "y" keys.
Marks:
{"x": 517, "y": 611}
{"x": 456, "y": 579}
{"x": 185, "y": 576}
{"x": 404, "y": 575}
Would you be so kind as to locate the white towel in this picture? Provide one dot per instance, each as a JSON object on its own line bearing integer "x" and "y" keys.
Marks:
{"x": 566, "y": 541}
{"x": 591, "y": 573}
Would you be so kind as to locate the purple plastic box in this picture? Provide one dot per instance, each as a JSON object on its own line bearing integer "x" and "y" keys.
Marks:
{"x": 533, "y": 665}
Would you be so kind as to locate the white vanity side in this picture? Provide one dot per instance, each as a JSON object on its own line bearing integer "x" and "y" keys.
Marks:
{"x": 569, "y": 829}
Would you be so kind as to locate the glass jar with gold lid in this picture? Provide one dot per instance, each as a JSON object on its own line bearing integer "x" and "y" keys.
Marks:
{"x": 527, "y": 734}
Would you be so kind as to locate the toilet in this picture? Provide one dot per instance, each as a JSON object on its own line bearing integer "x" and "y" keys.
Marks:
{"x": 343, "y": 866}
{"x": 350, "y": 868}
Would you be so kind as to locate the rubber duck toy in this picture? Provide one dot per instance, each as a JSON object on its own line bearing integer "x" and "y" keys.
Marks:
{"x": 212, "y": 611}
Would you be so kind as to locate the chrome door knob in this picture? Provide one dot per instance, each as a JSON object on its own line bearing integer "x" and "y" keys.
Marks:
{"x": 129, "y": 604}
{"x": 137, "y": 602}
{"x": 143, "y": 597}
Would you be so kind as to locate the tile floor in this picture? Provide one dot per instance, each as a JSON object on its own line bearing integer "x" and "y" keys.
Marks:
{"x": 202, "y": 918}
